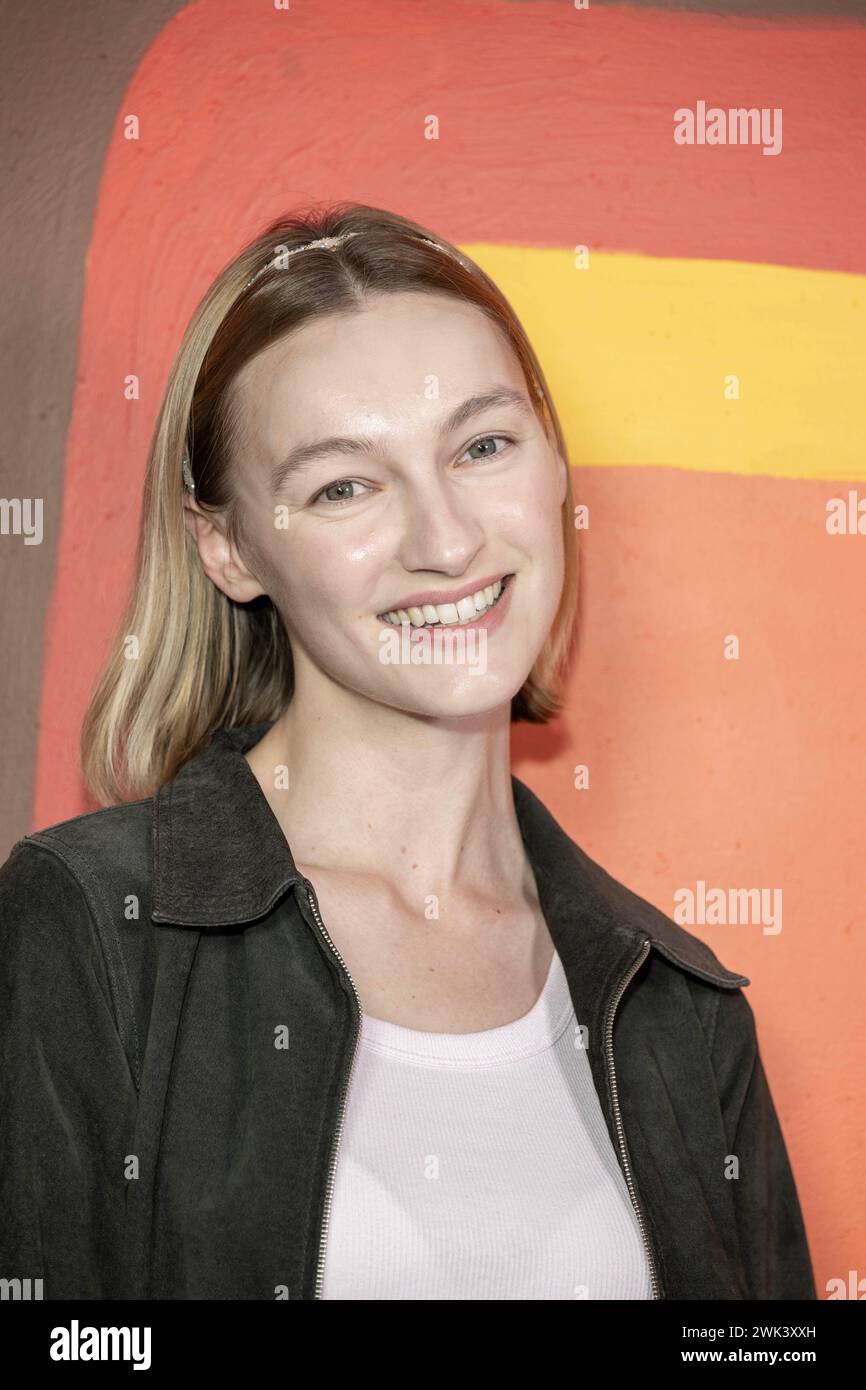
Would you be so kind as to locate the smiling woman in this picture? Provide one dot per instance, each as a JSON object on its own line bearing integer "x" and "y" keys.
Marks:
{"x": 402, "y": 321}
{"x": 496, "y": 1072}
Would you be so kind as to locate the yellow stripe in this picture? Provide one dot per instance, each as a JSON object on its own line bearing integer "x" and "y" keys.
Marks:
{"x": 637, "y": 349}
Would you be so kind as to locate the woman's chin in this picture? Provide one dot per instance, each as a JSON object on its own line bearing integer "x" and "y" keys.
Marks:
{"x": 460, "y": 694}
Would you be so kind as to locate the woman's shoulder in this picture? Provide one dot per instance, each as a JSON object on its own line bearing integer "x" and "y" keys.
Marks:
{"x": 104, "y": 836}
{"x": 90, "y": 852}
{"x": 571, "y": 876}
{"x": 74, "y": 898}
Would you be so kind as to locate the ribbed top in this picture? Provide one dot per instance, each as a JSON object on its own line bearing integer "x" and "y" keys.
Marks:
{"x": 479, "y": 1166}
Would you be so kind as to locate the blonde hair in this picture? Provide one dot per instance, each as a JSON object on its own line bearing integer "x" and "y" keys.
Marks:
{"x": 202, "y": 660}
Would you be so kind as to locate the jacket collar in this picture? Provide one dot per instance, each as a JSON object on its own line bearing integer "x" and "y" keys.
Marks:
{"x": 220, "y": 858}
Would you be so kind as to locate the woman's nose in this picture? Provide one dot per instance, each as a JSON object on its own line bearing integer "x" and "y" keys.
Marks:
{"x": 440, "y": 528}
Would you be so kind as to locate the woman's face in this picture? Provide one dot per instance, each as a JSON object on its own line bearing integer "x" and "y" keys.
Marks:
{"x": 408, "y": 493}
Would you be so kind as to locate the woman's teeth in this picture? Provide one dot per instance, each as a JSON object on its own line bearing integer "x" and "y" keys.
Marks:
{"x": 463, "y": 611}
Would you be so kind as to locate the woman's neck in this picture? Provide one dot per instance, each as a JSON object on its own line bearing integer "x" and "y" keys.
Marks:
{"x": 379, "y": 791}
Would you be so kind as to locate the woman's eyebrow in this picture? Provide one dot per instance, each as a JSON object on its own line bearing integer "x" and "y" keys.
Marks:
{"x": 306, "y": 454}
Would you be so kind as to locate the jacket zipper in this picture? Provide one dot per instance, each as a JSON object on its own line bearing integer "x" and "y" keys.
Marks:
{"x": 620, "y": 1129}
{"x": 329, "y": 1189}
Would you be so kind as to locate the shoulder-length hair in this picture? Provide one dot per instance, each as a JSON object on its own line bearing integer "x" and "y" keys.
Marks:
{"x": 202, "y": 660}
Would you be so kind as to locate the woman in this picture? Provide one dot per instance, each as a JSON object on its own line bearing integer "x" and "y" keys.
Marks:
{"x": 325, "y": 1004}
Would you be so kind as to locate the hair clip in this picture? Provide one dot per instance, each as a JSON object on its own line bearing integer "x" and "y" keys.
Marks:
{"x": 188, "y": 479}
{"x": 446, "y": 251}
{"x": 324, "y": 241}
{"x": 331, "y": 241}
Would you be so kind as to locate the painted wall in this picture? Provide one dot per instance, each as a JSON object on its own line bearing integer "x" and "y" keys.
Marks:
{"x": 707, "y": 363}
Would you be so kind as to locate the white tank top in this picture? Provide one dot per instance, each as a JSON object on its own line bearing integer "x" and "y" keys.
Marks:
{"x": 479, "y": 1166}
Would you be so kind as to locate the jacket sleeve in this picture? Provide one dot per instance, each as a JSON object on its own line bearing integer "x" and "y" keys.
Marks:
{"x": 770, "y": 1228}
{"x": 67, "y": 1095}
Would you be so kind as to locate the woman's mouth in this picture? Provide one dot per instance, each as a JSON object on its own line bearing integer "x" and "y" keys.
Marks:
{"x": 462, "y": 613}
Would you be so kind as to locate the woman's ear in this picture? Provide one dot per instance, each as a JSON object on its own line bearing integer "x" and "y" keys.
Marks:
{"x": 219, "y": 556}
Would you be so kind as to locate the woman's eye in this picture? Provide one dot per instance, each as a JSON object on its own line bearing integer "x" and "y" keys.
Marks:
{"x": 338, "y": 493}
{"x": 485, "y": 442}
{"x": 340, "y": 487}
